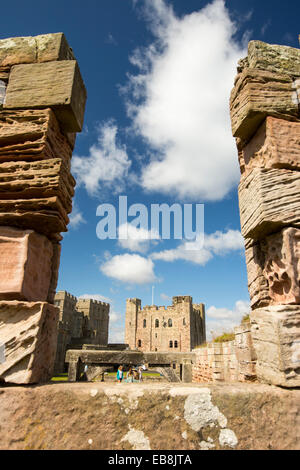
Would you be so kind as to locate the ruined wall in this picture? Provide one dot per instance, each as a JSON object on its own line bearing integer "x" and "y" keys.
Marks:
{"x": 231, "y": 361}
{"x": 176, "y": 328}
{"x": 80, "y": 321}
{"x": 265, "y": 120}
{"x": 42, "y": 101}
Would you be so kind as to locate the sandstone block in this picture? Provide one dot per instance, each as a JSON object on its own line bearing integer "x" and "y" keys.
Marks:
{"x": 54, "y": 271}
{"x": 276, "y": 339}
{"x": 2, "y": 92}
{"x": 276, "y": 144}
{"x": 269, "y": 200}
{"x": 28, "y": 135}
{"x": 46, "y": 216}
{"x": 25, "y": 265}
{"x": 258, "y": 93}
{"x": 38, "y": 179}
{"x": 31, "y": 49}
{"x": 28, "y": 331}
{"x": 57, "y": 85}
{"x": 257, "y": 283}
{"x": 281, "y": 266}
{"x": 275, "y": 58}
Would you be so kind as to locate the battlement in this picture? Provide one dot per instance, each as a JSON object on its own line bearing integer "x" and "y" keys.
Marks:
{"x": 64, "y": 295}
{"x": 182, "y": 298}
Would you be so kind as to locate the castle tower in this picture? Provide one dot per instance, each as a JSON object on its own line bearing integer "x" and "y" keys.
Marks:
{"x": 133, "y": 306}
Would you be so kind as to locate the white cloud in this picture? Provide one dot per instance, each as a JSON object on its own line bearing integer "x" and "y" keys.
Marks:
{"x": 116, "y": 335}
{"x": 76, "y": 218}
{"x": 218, "y": 243}
{"x": 107, "y": 164}
{"x": 165, "y": 297}
{"x": 219, "y": 320}
{"x": 136, "y": 239}
{"x": 99, "y": 297}
{"x": 131, "y": 269}
{"x": 179, "y": 101}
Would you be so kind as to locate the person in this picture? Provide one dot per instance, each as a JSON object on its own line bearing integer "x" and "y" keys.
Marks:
{"x": 140, "y": 374}
{"x": 129, "y": 376}
{"x": 120, "y": 374}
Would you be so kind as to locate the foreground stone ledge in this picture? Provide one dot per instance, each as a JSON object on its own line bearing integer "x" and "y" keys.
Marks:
{"x": 52, "y": 84}
{"x": 269, "y": 201}
{"x": 123, "y": 416}
{"x": 28, "y": 335}
{"x": 276, "y": 339}
{"x": 25, "y": 265}
{"x": 258, "y": 93}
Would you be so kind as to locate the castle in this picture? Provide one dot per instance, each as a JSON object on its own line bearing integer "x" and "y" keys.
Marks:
{"x": 179, "y": 327}
{"x": 80, "y": 321}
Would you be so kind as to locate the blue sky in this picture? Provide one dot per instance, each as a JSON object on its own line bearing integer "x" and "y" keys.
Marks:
{"x": 157, "y": 129}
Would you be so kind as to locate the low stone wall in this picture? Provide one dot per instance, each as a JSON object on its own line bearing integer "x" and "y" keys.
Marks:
{"x": 124, "y": 416}
{"x": 232, "y": 361}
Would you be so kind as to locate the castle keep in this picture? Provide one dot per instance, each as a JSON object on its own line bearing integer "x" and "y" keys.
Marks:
{"x": 80, "y": 321}
{"x": 179, "y": 327}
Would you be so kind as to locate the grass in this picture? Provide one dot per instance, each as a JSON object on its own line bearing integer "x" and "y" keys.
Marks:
{"x": 60, "y": 377}
{"x": 224, "y": 338}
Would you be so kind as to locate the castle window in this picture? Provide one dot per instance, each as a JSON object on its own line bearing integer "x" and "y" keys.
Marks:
{"x": 183, "y": 321}
{"x": 144, "y": 323}
{"x": 155, "y": 335}
{"x": 156, "y": 323}
{"x": 171, "y": 344}
{"x": 139, "y": 343}
{"x": 170, "y": 322}
{"x": 175, "y": 344}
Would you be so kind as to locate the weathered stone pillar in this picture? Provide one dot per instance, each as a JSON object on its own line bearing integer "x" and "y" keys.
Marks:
{"x": 265, "y": 117}
{"x": 42, "y": 101}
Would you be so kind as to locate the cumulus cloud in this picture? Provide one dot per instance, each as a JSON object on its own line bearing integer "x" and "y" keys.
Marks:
{"x": 136, "y": 238}
{"x": 220, "y": 320}
{"x": 216, "y": 244}
{"x": 76, "y": 218}
{"x": 130, "y": 269}
{"x": 107, "y": 164}
{"x": 179, "y": 101}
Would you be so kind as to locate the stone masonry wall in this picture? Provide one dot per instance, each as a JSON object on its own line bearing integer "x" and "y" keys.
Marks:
{"x": 42, "y": 102}
{"x": 265, "y": 117}
{"x": 232, "y": 361}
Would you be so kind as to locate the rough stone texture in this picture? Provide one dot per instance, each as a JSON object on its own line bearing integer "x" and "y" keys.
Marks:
{"x": 25, "y": 265}
{"x": 257, "y": 283}
{"x": 28, "y": 331}
{"x": 276, "y": 339}
{"x": 44, "y": 215}
{"x": 258, "y": 93}
{"x": 179, "y": 327}
{"x": 269, "y": 200}
{"x": 216, "y": 362}
{"x": 28, "y": 135}
{"x": 99, "y": 416}
{"x": 28, "y": 50}
{"x": 275, "y": 58}
{"x": 276, "y": 144}
{"x": 245, "y": 353}
{"x": 44, "y": 178}
{"x": 55, "y": 84}
{"x": 54, "y": 271}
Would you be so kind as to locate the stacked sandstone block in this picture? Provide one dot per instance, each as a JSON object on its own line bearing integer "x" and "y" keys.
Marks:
{"x": 266, "y": 123}
{"x": 216, "y": 362}
{"x": 42, "y": 101}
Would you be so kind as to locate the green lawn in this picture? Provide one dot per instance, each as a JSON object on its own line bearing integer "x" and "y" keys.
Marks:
{"x": 64, "y": 377}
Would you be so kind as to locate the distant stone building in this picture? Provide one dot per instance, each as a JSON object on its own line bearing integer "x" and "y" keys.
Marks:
{"x": 176, "y": 328}
{"x": 81, "y": 321}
